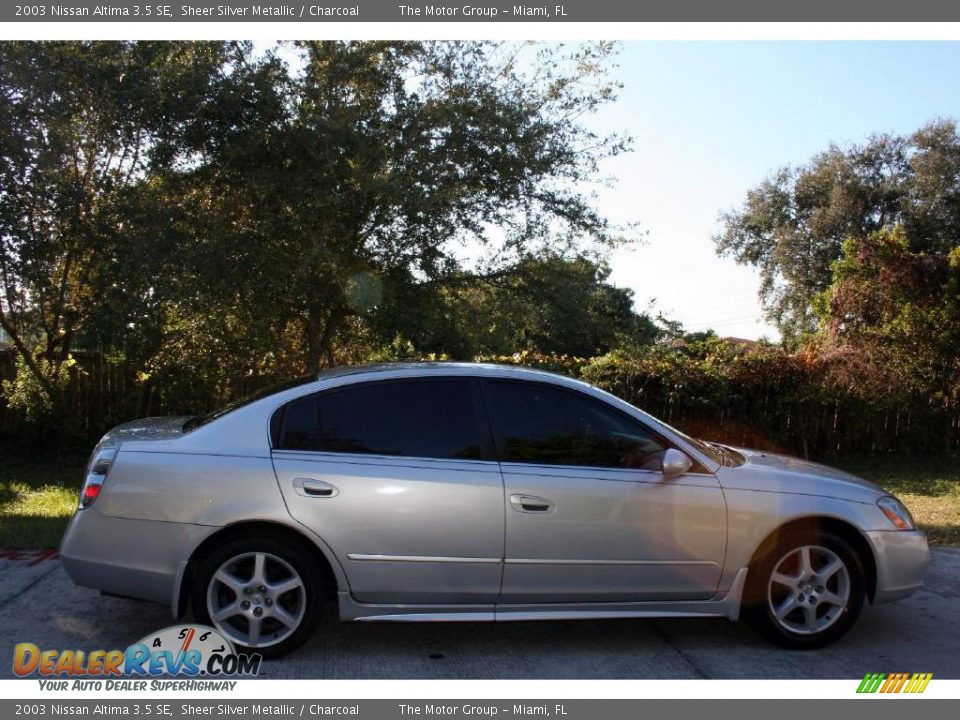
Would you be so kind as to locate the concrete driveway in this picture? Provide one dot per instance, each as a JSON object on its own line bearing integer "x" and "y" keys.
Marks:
{"x": 39, "y": 604}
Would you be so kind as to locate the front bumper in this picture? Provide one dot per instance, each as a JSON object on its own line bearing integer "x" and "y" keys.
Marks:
{"x": 141, "y": 559}
{"x": 902, "y": 560}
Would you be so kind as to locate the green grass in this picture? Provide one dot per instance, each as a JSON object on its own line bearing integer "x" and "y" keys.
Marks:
{"x": 38, "y": 494}
{"x": 37, "y": 497}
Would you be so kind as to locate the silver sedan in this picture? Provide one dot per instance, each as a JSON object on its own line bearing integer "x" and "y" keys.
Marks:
{"x": 453, "y": 491}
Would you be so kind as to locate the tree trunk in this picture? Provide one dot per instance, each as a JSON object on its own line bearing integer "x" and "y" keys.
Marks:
{"x": 27, "y": 357}
{"x": 322, "y": 328}
{"x": 314, "y": 333}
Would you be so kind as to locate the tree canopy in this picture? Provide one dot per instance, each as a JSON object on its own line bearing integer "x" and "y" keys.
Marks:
{"x": 83, "y": 127}
{"x": 793, "y": 225}
{"x": 375, "y": 160}
{"x": 891, "y": 319}
{"x": 859, "y": 251}
{"x": 214, "y": 209}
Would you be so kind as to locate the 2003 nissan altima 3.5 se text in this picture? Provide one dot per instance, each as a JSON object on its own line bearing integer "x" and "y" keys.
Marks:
{"x": 450, "y": 491}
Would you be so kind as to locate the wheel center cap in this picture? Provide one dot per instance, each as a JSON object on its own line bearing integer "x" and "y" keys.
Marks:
{"x": 257, "y": 599}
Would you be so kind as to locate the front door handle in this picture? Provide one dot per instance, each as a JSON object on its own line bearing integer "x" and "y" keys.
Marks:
{"x": 531, "y": 504}
{"x": 309, "y": 487}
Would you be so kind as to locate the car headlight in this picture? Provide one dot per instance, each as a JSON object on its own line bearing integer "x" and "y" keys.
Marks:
{"x": 896, "y": 513}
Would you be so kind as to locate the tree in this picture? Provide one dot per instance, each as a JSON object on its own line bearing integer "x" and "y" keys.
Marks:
{"x": 546, "y": 304}
{"x": 891, "y": 320}
{"x": 793, "y": 225}
{"x": 82, "y": 127}
{"x": 377, "y": 160}
{"x": 208, "y": 212}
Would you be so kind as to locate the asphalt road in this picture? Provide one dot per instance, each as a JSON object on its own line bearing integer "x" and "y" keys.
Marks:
{"x": 39, "y": 604}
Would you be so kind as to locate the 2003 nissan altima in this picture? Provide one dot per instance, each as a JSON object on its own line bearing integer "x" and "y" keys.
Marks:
{"x": 475, "y": 492}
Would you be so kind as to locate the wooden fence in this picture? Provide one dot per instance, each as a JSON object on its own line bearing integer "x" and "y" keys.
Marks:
{"x": 102, "y": 394}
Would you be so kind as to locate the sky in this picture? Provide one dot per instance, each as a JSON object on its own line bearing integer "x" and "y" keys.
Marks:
{"x": 712, "y": 119}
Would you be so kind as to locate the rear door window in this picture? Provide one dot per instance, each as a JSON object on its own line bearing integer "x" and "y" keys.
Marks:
{"x": 408, "y": 418}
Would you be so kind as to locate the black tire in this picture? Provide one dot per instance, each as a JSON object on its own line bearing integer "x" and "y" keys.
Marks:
{"x": 298, "y": 558}
{"x": 760, "y": 593}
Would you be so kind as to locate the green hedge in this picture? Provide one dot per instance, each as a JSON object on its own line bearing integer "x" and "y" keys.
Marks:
{"x": 750, "y": 395}
{"x": 760, "y": 396}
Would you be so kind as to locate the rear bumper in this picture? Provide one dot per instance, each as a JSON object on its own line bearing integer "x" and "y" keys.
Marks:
{"x": 902, "y": 560}
{"x": 134, "y": 558}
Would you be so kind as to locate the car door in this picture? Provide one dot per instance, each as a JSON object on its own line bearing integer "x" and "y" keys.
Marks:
{"x": 395, "y": 478}
{"x": 589, "y": 515}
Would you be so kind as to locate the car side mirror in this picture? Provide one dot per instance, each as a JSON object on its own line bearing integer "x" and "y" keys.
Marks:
{"x": 675, "y": 463}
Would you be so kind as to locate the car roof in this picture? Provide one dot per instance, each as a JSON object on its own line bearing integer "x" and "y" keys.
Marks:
{"x": 429, "y": 366}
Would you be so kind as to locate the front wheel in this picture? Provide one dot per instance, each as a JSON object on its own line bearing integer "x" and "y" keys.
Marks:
{"x": 259, "y": 592}
{"x": 806, "y": 592}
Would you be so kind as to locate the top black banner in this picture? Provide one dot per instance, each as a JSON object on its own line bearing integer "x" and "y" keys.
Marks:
{"x": 483, "y": 11}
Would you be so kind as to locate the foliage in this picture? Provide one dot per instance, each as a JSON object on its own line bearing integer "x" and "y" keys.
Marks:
{"x": 316, "y": 193}
{"x": 183, "y": 223}
{"x": 891, "y": 320}
{"x": 793, "y": 225}
{"x": 26, "y": 393}
{"x": 755, "y": 395}
{"x": 547, "y": 304}
{"x": 760, "y": 396}
{"x": 209, "y": 217}
{"x": 82, "y": 125}
{"x": 859, "y": 251}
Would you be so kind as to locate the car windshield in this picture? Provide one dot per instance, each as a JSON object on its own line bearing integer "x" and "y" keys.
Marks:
{"x": 200, "y": 420}
{"x": 731, "y": 458}
{"x": 720, "y": 454}
{"x": 708, "y": 449}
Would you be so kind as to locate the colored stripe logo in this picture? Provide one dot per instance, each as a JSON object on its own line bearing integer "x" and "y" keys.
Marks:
{"x": 894, "y": 682}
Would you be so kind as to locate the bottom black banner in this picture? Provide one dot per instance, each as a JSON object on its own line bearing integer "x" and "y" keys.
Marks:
{"x": 875, "y": 709}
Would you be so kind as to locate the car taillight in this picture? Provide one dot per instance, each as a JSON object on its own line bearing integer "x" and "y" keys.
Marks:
{"x": 96, "y": 473}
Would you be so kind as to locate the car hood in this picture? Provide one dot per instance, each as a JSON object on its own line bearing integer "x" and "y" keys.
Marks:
{"x": 153, "y": 428}
{"x": 781, "y": 473}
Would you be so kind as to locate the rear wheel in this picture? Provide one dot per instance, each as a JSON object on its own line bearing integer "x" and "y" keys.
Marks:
{"x": 260, "y": 592}
{"x": 806, "y": 591}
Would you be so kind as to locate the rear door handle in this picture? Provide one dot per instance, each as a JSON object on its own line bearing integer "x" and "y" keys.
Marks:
{"x": 531, "y": 504}
{"x": 309, "y": 487}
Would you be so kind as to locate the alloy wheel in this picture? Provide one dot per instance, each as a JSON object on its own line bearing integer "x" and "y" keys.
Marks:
{"x": 808, "y": 590}
{"x": 256, "y": 599}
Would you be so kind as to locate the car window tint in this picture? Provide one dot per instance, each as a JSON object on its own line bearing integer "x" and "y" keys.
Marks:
{"x": 301, "y": 426}
{"x": 535, "y": 423}
{"x": 433, "y": 419}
